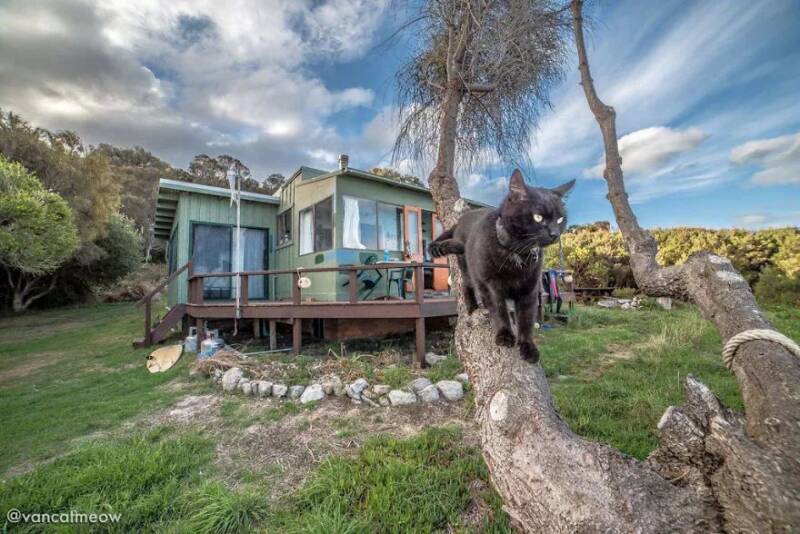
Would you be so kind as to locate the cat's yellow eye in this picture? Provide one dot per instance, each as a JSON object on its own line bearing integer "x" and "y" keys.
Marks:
{"x": 560, "y": 220}
{"x": 537, "y": 217}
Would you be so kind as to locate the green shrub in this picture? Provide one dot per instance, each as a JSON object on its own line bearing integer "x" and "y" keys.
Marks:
{"x": 599, "y": 259}
{"x": 774, "y": 287}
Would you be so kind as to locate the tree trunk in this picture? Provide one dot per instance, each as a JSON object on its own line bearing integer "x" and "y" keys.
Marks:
{"x": 715, "y": 469}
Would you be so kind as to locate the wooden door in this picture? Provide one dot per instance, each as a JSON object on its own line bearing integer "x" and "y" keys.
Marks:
{"x": 412, "y": 233}
{"x": 440, "y": 276}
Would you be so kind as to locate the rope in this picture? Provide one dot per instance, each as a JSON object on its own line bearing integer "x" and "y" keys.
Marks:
{"x": 756, "y": 334}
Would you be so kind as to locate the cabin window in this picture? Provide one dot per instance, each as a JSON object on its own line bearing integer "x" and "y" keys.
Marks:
{"x": 306, "y": 231}
{"x": 323, "y": 225}
{"x": 360, "y": 224}
{"x": 211, "y": 249}
{"x": 214, "y": 251}
{"x": 390, "y": 227}
{"x": 285, "y": 227}
{"x": 316, "y": 227}
{"x": 372, "y": 225}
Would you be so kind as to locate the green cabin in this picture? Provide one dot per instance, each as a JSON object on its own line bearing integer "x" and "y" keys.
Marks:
{"x": 318, "y": 219}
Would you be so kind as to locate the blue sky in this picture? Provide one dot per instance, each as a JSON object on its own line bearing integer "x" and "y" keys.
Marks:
{"x": 707, "y": 95}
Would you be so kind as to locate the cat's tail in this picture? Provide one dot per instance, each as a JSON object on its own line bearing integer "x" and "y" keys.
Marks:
{"x": 445, "y": 244}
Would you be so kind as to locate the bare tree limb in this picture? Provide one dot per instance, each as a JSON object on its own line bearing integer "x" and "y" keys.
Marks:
{"x": 758, "y": 484}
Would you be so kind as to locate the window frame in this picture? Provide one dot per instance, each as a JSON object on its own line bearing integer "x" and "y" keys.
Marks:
{"x": 313, "y": 209}
{"x": 281, "y": 218}
{"x": 378, "y": 238}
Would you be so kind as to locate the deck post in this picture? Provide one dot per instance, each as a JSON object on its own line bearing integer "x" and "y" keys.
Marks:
{"x": 297, "y": 335}
{"x": 257, "y": 328}
{"x": 201, "y": 334}
{"x": 273, "y": 334}
{"x": 419, "y": 283}
{"x": 244, "y": 289}
{"x": 420, "y": 341}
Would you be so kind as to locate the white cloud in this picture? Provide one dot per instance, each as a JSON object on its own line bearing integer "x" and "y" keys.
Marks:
{"x": 777, "y": 219}
{"x": 779, "y": 158}
{"x": 647, "y": 151}
{"x": 179, "y": 77}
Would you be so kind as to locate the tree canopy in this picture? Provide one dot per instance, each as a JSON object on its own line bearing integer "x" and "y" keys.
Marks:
{"x": 37, "y": 233}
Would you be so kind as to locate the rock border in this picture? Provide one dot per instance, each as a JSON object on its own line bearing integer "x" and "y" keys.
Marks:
{"x": 419, "y": 390}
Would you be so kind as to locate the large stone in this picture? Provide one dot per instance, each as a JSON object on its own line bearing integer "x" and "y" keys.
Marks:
{"x": 431, "y": 358}
{"x": 462, "y": 377}
{"x": 279, "y": 390}
{"x": 418, "y": 384}
{"x": 264, "y": 388}
{"x": 400, "y": 397}
{"x": 332, "y": 383}
{"x": 381, "y": 389}
{"x": 295, "y": 391}
{"x": 355, "y": 389}
{"x": 231, "y": 377}
{"x": 451, "y": 389}
{"x": 312, "y": 393}
{"x": 429, "y": 394}
{"x": 245, "y": 386}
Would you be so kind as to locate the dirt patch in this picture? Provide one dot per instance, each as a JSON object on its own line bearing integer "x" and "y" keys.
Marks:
{"x": 614, "y": 354}
{"x": 282, "y": 452}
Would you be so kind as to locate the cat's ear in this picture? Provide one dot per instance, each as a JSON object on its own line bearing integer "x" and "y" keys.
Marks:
{"x": 564, "y": 189}
{"x": 517, "y": 190}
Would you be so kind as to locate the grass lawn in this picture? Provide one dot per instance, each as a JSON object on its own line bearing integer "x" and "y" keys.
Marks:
{"x": 70, "y": 382}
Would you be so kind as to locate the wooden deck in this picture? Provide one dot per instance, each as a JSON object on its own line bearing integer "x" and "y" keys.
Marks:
{"x": 416, "y": 306}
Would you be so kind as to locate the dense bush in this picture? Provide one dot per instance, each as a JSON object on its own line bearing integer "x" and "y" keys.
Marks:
{"x": 37, "y": 235}
{"x": 774, "y": 287}
{"x": 99, "y": 263}
{"x": 598, "y": 256}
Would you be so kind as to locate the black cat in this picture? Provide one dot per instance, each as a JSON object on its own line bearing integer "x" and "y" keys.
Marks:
{"x": 500, "y": 253}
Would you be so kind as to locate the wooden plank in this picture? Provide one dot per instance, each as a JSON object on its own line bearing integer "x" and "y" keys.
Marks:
{"x": 273, "y": 335}
{"x": 295, "y": 287}
{"x": 420, "y": 341}
{"x": 315, "y": 310}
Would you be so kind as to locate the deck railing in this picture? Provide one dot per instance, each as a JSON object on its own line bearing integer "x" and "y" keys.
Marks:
{"x": 296, "y": 310}
{"x": 147, "y": 300}
{"x": 196, "y": 279}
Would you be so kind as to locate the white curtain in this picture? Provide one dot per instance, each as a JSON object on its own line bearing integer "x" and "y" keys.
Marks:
{"x": 306, "y": 232}
{"x": 352, "y": 224}
{"x": 251, "y": 258}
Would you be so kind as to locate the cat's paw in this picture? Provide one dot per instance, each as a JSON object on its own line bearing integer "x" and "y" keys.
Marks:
{"x": 504, "y": 338}
{"x": 529, "y": 352}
